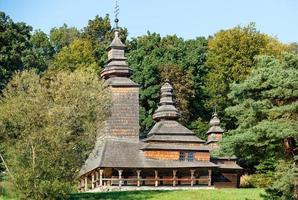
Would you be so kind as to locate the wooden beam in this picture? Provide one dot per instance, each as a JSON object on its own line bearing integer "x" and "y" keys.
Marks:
{"x": 174, "y": 177}
{"x": 192, "y": 172}
{"x": 86, "y": 183}
{"x": 138, "y": 178}
{"x": 100, "y": 177}
{"x": 92, "y": 180}
{"x": 209, "y": 176}
{"x": 120, "y": 177}
{"x": 96, "y": 178}
{"x": 156, "y": 178}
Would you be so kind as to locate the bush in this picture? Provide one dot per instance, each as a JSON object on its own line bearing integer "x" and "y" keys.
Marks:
{"x": 245, "y": 181}
{"x": 256, "y": 180}
{"x": 262, "y": 180}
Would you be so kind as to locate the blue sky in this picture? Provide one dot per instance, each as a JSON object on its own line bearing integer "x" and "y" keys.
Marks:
{"x": 185, "y": 18}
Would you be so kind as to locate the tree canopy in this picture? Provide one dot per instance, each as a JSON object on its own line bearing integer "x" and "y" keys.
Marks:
{"x": 231, "y": 58}
{"x": 42, "y": 119}
{"x": 266, "y": 109}
{"x": 15, "y": 48}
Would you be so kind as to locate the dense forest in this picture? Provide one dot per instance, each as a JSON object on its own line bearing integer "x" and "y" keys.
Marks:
{"x": 52, "y": 98}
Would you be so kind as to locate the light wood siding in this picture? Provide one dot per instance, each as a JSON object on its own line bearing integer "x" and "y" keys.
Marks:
{"x": 202, "y": 156}
{"x": 162, "y": 155}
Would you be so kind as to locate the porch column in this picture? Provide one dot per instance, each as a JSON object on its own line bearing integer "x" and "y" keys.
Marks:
{"x": 92, "y": 180}
{"x": 79, "y": 185}
{"x": 192, "y": 172}
{"x": 120, "y": 177}
{"x": 156, "y": 177}
{"x": 100, "y": 177}
{"x": 96, "y": 179}
{"x": 138, "y": 177}
{"x": 86, "y": 183}
{"x": 209, "y": 173}
{"x": 174, "y": 177}
{"x": 82, "y": 184}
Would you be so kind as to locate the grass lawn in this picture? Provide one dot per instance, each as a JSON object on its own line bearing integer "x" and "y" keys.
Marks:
{"x": 216, "y": 194}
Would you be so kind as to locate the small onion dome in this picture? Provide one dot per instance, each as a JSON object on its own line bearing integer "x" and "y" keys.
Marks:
{"x": 215, "y": 125}
{"x": 214, "y": 121}
{"x": 116, "y": 65}
{"x": 166, "y": 109}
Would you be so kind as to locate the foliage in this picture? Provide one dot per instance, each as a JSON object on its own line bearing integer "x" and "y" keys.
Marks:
{"x": 42, "y": 119}
{"x": 99, "y": 32}
{"x": 282, "y": 188}
{"x": 78, "y": 55}
{"x": 220, "y": 194}
{"x": 265, "y": 106}
{"x": 200, "y": 128}
{"x": 154, "y": 59}
{"x": 63, "y": 36}
{"x": 231, "y": 57}
{"x": 42, "y": 50}
{"x": 15, "y": 48}
{"x": 256, "y": 180}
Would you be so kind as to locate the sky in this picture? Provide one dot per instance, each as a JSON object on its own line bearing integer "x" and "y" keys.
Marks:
{"x": 185, "y": 18}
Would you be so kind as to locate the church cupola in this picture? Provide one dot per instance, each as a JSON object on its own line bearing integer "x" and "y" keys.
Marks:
{"x": 116, "y": 64}
{"x": 166, "y": 110}
{"x": 215, "y": 132}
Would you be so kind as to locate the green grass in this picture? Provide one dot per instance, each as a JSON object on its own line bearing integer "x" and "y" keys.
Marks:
{"x": 216, "y": 194}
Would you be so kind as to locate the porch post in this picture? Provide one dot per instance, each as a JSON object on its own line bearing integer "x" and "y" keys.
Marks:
{"x": 138, "y": 177}
{"x": 156, "y": 177}
{"x": 192, "y": 172}
{"x": 100, "y": 177}
{"x": 79, "y": 185}
{"x": 92, "y": 180}
{"x": 96, "y": 178}
{"x": 209, "y": 173}
{"x": 120, "y": 177}
{"x": 86, "y": 183}
{"x": 174, "y": 177}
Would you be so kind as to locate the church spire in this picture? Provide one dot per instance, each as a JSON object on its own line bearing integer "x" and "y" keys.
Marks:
{"x": 215, "y": 125}
{"x": 166, "y": 110}
{"x": 116, "y": 64}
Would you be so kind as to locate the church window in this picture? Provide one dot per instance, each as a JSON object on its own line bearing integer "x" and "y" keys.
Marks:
{"x": 181, "y": 156}
{"x": 190, "y": 156}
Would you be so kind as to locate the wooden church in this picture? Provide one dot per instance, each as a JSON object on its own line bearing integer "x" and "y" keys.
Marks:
{"x": 171, "y": 155}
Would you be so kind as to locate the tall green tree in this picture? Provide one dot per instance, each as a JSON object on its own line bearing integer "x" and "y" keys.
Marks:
{"x": 231, "y": 57}
{"x": 266, "y": 108}
{"x": 15, "y": 48}
{"x": 143, "y": 57}
{"x": 78, "y": 55}
{"x": 63, "y": 36}
{"x": 48, "y": 125}
{"x": 42, "y": 50}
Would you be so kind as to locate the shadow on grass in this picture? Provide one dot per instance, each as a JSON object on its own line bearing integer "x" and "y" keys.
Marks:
{"x": 125, "y": 195}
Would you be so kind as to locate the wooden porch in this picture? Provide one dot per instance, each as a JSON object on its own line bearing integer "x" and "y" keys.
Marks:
{"x": 107, "y": 178}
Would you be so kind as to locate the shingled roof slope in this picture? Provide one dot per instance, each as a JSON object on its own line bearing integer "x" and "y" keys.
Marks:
{"x": 125, "y": 153}
{"x": 168, "y": 146}
{"x": 177, "y": 138}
